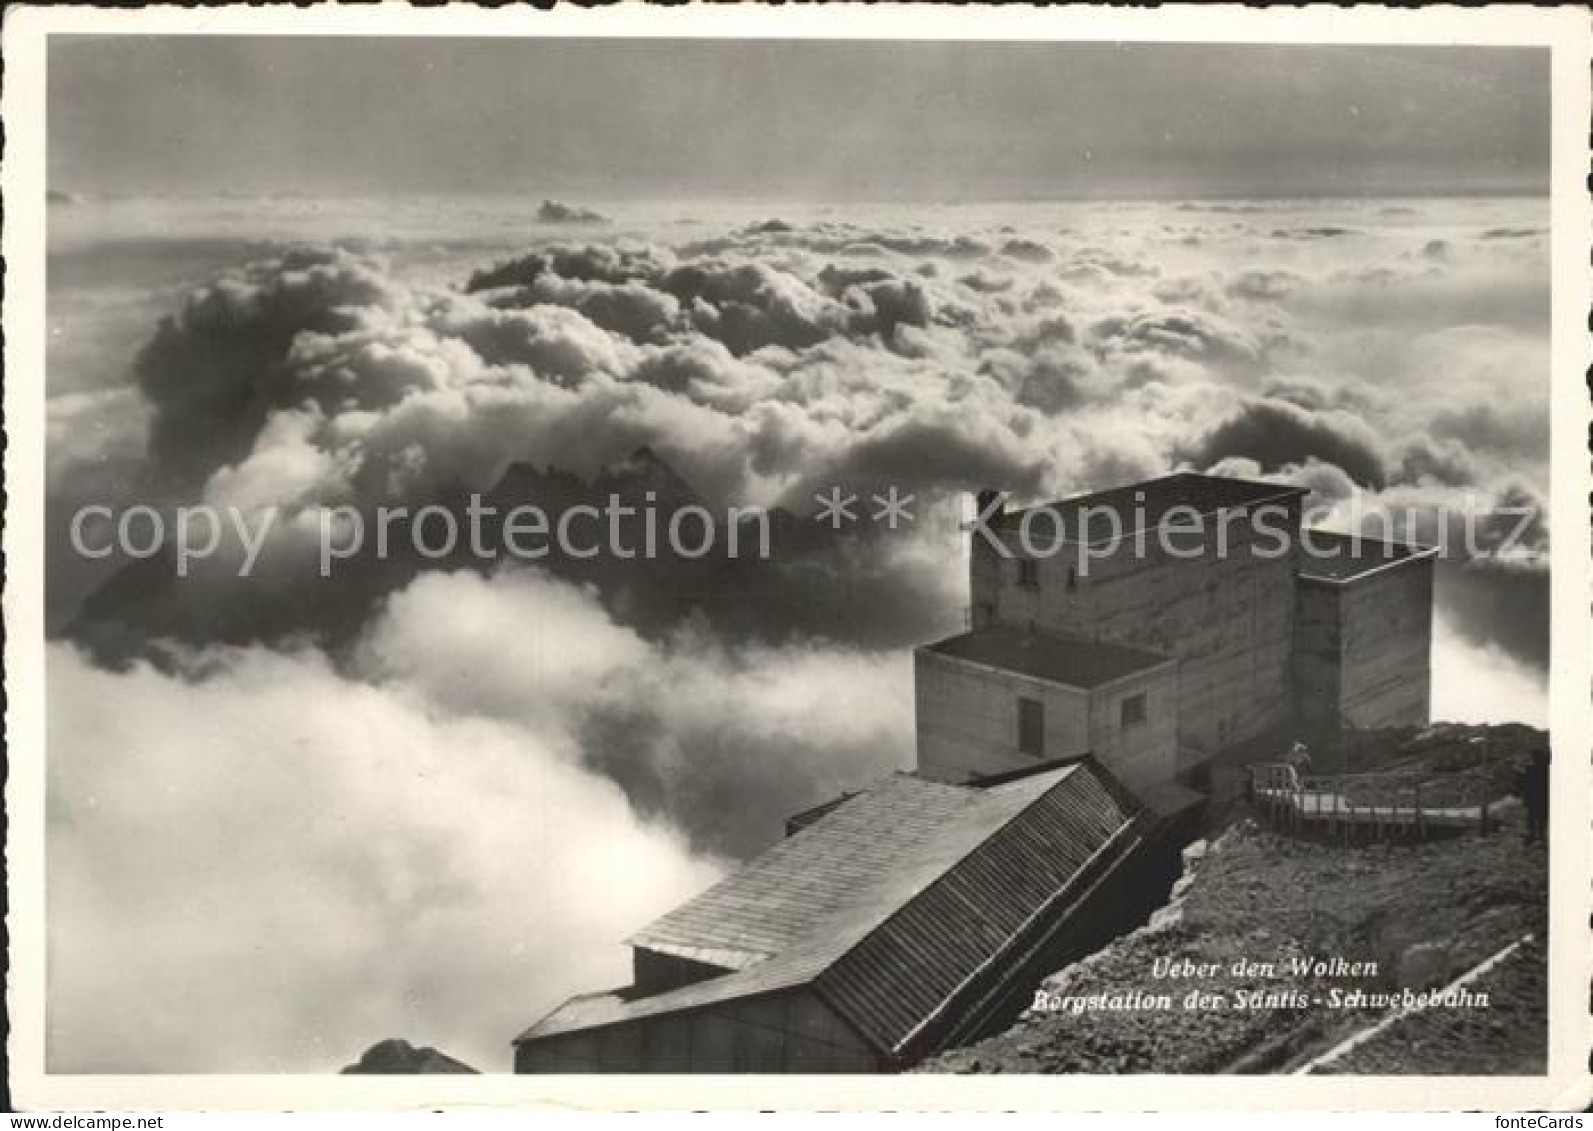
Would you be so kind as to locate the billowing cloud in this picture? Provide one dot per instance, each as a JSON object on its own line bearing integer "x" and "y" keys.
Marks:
{"x": 213, "y": 371}
{"x": 386, "y": 846}
{"x": 1187, "y": 334}
{"x": 768, "y": 365}
{"x": 1263, "y": 286}
{"x": 92, "y": 429}
{"x": 1052, "y": 378}
{"x": 1275, "y": 433}
{"x": 657, "y": 718}
{"x": 583, "y": 263}
{"x": 631, "y": 308}
{"x": 273, "y": 866}
{"x": 1319, "y": 232}
{"x": 1028, "y": 251}
{"x": 720, "y": 742}
{"x": 1510, "y": 428}
{"x": 1448, "y": 462}
{"x": 1501, "y": 605}
{"x": 1314, "y": 393}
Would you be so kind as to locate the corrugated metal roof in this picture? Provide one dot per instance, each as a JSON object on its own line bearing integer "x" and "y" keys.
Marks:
{"x": 901, "y": 971}
{"x": 938, "y": 885}
{"x": 1053, "y": 656}
{"x": 768, "y": 905}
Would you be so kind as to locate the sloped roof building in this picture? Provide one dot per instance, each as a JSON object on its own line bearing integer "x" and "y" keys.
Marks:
{"x": 897, "y": 923}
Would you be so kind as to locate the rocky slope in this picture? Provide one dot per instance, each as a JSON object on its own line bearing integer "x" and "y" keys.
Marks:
{"x": 1209, "y": 985}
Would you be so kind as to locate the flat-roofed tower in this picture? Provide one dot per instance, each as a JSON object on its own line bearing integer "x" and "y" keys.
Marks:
{"x": 1197, "y": 567}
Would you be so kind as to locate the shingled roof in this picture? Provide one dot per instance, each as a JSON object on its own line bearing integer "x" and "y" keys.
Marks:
{"x": 885, "y": 905}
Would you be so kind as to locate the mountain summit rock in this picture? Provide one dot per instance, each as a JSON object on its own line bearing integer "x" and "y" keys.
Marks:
{"x": 397, "y": 1057}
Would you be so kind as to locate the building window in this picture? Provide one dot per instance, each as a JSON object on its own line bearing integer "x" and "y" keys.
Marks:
{"x": 1133, "y": 710}
{"x": 1031, "y": 727}
{"x": 1028, "y": 573}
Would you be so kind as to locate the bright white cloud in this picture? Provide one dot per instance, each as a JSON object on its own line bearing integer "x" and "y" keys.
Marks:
{"x": 724, "y": 741}
{"x": 269, "y": 866}
{"x": 1475, "y": 683}
{"x": 439, "y": 845}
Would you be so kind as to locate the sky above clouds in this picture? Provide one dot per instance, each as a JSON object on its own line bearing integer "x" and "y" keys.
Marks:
{"x": 791, "y": 120}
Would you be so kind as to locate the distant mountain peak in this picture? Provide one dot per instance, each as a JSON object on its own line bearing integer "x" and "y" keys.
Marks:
{"x": 397, "y": 1057}
{"x": 558, "y": 212}
{"x": 645, "y": 469}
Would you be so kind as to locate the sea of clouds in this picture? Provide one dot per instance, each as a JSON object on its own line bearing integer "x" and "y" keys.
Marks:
{"x": 265, "y": 854}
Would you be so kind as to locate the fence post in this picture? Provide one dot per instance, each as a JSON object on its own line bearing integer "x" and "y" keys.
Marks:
{"x": 1487, "y": 783}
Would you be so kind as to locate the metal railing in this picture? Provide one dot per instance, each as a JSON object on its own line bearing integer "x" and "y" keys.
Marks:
{"x": 1387, "y": 805}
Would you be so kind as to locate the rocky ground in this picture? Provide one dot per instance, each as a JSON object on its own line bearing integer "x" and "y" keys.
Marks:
{"x": 1416, "y": 916}
{"x": 1507, "y": 1038}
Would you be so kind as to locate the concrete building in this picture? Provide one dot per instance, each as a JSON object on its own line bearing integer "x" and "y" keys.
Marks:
{"x": 1239, "y": 630}
{"x": 1118, "y": 641}
{"x": 1000, "y": 698}
{"x": 1363, "y": 633}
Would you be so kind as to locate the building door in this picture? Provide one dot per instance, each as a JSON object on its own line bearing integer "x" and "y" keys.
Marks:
{"x": 1031, "y": 727}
